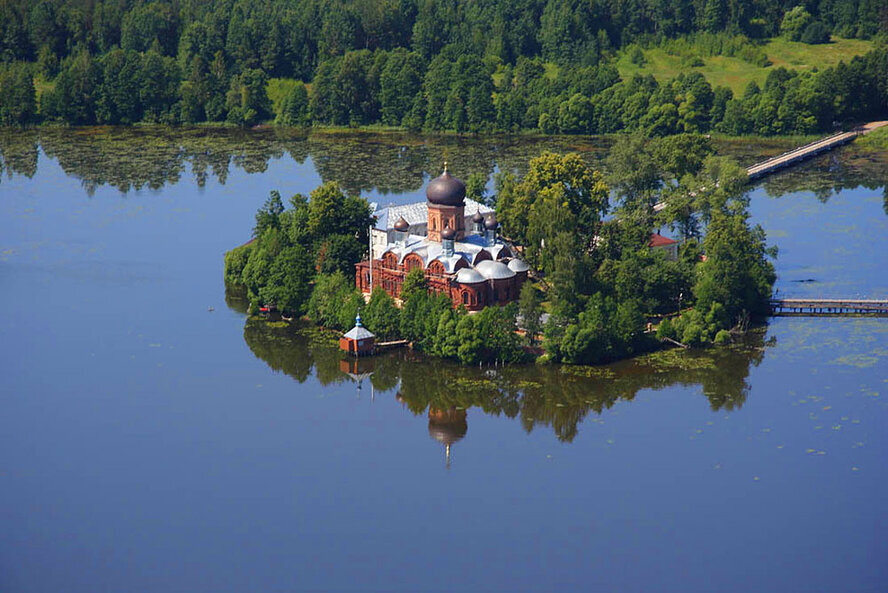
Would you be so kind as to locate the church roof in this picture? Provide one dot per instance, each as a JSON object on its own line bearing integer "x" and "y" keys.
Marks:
{"x": 469, "y": 276}
{"x": 416, "y": 213}
{"x": 494, "y": 270}
{"x": 518, "y": 265}
{"x": 466, "y": 249}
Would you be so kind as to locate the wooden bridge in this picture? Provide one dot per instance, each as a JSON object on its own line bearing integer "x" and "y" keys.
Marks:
{"x": 828, "y": 307}
{"x": 809, "y": 150}
{"x": 799, "y": 154}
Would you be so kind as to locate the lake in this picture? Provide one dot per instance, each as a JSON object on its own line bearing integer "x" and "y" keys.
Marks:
{"x": 148, "y": 443}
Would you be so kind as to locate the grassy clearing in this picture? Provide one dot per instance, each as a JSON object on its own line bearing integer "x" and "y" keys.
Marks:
{"x": 877, "y": 139}
{"x": 735, "y": 73}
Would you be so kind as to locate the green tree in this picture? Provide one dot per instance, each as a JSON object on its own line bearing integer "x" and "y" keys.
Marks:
{"x": 331, "y": 293}
{"x": 634, "y": 173}
{"x": 530, "y": 309}
{"x": 736, "y": 274}
{"x": 399, "y": 83}
{"x": 294, "y": 108}
{"x": 414, "y": 283}
{"x": 794, "y": 23}
{"x": 381, "y": 316}
{"x": 18, "y": 104}
{"x": 476, "y": 187}
{"x": 247, "y": 100}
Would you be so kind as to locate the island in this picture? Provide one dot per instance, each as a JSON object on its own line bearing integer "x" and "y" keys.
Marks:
{"x": 557, "y": 266}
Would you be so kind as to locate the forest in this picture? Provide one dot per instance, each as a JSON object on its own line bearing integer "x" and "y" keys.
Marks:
{"x": 432, "y": 65}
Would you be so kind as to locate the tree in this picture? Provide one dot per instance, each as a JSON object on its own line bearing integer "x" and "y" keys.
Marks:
{"x": 76, "y": 91}
{"x": 149, "y": 23}
{"x": 399, "y": 83}
{"x": 634, "y": 175}
{"x": 287, "y": 282}
{"x": 815, "y": 33}
{"x": 530, "y": 309}
{"x": 294, "y": 109}
{"x": 736, "y": 274}
{"x": 269, "y": 216}
{"x": 381, "y": 316}
{"x": 414, "y": 283}
{"x": 327, "y": 299}
{"x": 476, "y": 188}
{"x": 247, "y": 100}
{"x": 794, "y": 23}
{"x": 18, "y": 104}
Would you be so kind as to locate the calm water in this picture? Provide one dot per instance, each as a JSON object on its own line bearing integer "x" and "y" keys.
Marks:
{"x": 148, "y": 444}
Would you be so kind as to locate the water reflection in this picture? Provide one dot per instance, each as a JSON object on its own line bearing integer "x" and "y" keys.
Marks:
{"x": 556, "y": 397}
{"x": 130, "y": 159}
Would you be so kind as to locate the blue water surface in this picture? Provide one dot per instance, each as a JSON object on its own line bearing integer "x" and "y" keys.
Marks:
{"x": 144, "y": 447}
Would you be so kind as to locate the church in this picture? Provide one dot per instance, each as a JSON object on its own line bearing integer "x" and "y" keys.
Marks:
{"x": 454, "y": 241}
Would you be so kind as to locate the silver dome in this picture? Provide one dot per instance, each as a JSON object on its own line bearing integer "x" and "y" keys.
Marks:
{"x": 518, "y": 265}
{"x": 494, "y": 270}
{"x": 469, "y": 276}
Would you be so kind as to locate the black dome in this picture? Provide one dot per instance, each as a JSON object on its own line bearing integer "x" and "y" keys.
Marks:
{"x": 491, "y": 223}
{"x": 448, "y": 233}
{"x": 478, "y": 216}
{"x": 402, "y": 225}
{"x": 446, "y": 190}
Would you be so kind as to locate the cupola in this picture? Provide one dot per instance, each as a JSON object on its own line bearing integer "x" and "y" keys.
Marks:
{"x": 478, "y": 222}
{"x": 446, "y": 190}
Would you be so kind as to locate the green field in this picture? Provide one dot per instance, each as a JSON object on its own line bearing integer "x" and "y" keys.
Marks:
{"x": 735, "y": 73}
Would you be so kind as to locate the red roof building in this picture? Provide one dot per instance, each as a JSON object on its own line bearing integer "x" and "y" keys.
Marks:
{"x": 658, "y": 241}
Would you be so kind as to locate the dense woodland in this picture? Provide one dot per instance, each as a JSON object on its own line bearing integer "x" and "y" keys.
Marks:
{"x": 435, "y": 65}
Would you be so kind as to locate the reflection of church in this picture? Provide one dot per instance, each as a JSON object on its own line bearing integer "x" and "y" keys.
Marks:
{"x": 447, "y": 427}
{"x": 474, "y": 267}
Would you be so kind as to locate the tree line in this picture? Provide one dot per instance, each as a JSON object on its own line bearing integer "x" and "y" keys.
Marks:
{"x": 421, "y": 64}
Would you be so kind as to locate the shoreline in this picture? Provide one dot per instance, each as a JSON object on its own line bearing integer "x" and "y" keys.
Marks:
{"x": 299, "y": 324}
{"x": 373, "y": 131}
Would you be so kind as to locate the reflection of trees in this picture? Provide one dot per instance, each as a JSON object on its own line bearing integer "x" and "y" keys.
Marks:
{"x": 153, "y": 156}
{"x": 560, "y": 397}
{"x": 18, "y": 152}
{"x": 825, "y": 176}
{"x": 295, "y": 351}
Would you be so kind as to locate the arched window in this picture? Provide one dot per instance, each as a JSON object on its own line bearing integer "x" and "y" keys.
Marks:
{"x": 465, "y": 298}
{"x": 411, "y": 262}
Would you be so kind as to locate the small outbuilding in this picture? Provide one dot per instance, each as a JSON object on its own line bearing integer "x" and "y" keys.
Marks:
{"x": 359, "y": 341}
{"x": 670, "y": 246}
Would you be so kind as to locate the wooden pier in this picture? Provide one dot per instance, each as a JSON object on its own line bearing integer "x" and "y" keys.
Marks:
{"x": 828, "y": 307}
{"x": 392, "y": 344}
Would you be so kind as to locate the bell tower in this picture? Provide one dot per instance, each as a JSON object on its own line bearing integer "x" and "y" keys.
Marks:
{"x": 446, "y": 205}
